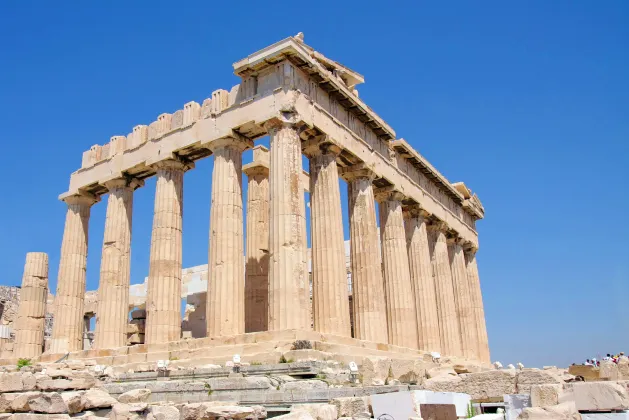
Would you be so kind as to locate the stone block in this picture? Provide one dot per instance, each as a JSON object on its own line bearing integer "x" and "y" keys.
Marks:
{"x": 564, "y": 411}
{"x": 597, "y": 396}
{"x": 481, "y": 386}
{"x": 318, "y": 411}
{"x": 375, "y": 370}
{"x": 351, "y": 406}
{"x": 526, "y": 378}
{"x": 609, "y": 371}
{"x": 408, "y": 371}
{"x": 50, "y": 403}
{"x": 135, "y": 396}
{"x": 545, "y": 395}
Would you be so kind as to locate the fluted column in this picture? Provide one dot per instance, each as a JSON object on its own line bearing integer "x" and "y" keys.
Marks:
{"x": 478, "y": 309}
{"x": 401, "y": 317}
{"x": 462, "y": 299}
{"x": 329, "y": 275}
{"x": 257, "y": 246}
{"x": 368, "y": 301}
{"x": 288, "y": 279}
{"x": 31, "y": 315}
{"x": 446, "y": 307}
{"x": 67, "y": 330}
{"x": 112, "y": 314}
{"x": 163, "y": 301}
{"x": 422, "y": 279}
{"x": 225, "y": 313}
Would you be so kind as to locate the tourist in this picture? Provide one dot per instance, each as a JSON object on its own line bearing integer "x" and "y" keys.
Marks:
{"x": 588, "y": 363}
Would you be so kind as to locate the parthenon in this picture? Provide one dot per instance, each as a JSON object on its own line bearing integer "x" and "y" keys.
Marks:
{"x": 414, "y": 276}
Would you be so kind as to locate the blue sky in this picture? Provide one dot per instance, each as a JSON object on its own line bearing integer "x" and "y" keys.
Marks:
{"x": 527, "y": 102}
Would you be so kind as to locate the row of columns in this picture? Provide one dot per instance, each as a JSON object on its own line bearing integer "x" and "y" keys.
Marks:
{"x": 417, "y": 288}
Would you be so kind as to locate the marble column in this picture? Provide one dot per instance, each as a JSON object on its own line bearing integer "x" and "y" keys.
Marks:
{"x": 257, "y": 246}
{"x": 401, "y": 314}
{"x": 422, "y": 279}
{"x": 112, "y": 315}
{"x": 31, "y": 315}
{"x": 329, "y": 275}
{"x": 225, "y": 312}
{"x": 368, "y": 301}
{"x": 477, "y": 305}
{"x": 288, "y": 278}
{"x": 163, "y": 301}
{"x": 462, "y": 299}
{"x": 67, "y": 330}
{"x": 446, "y": 307}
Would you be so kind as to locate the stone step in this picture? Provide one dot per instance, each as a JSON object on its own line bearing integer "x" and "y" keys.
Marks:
{"x": 303, "y": 369}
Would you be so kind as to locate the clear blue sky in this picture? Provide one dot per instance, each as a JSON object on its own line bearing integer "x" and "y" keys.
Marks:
{"x": 527, "y": 102}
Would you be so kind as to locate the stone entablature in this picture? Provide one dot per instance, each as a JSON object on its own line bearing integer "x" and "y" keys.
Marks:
{"x": 316, "y": 96}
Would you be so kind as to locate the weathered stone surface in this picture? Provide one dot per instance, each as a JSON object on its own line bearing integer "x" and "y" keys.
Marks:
{"x": 157, "y": 412}
{"x": 17, "y": 381}
{"x": 369, "y": 310}
{"x": 257, "y": 258}
{"x": 480, "y": 386}
{"x": 440, "y": 371}
{"x": 526, "y": 378}
{"x": 135, "y": 396}
{"x": 207, "y": 411}
{"x": 351, "y": 406}
{"x": 407, "y": 371}
{"x": 73, "y": 401}
{"x": 95, "y": 398}
{"x": 288, "y": 278}
{"x": 564, "y": 411}
{"x": 401, "y": 313}
{"x": 20, "y": 401}
{"x": 163, "y": 301}
{"x": 296, "y": 415}
{"x": 303, "y": 385}
{"x": 77, "y": 381}
{"x": 545, "y": 395}
{"x": 50, "y": 403}
{"x": 37, "y": 416}
{"x": 225, "y": 309}
{"x": 600, "y": 396}
{"x": 609, "y": 371}
{"x": 115, "y": 268}
{"x": 30, "y": 323}
{"x": 318, "y": 411}
{"x": 67, "y": 330}
{"x": 122, "y": 411}
{"x": 330, "y": 305}
{"x": 375, "y": 370}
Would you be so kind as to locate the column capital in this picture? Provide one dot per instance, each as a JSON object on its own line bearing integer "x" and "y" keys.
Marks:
{"x": 469, "y": 248}
{"x": 123, "y": 182}
{"x": 453, "y": 238}
{"x": 415, "y": 211}
{"x": 235, "y": 141}
{"x": 82, "y": 197}
{"x": 388, "y": 194}
{"x": 255, "y": 168}
{"x": 437, "y": 225}
{"x": 286, "y": 119}
{"x": 358, "y": 170}
{"x": 321, "y": 145}
{"x": 172, "y": 162}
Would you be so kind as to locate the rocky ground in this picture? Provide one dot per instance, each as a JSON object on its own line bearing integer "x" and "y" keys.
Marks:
{"x": 303, "y": 389}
